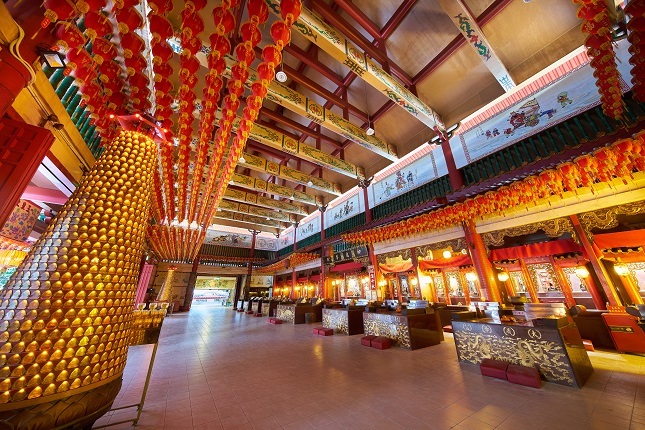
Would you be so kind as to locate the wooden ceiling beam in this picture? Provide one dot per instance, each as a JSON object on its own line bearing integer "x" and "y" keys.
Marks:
{"x": 359, "y": 16}
{"x": 312, "y": 62}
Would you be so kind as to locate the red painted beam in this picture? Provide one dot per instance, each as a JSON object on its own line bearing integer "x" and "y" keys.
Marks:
{"x": 313, "y": 63}
{"x": 360, "y": 17}
{"x": 397, "y": 18}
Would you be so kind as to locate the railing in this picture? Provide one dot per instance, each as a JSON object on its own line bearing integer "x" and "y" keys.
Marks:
{"x": 348, "y": 224}
{"x": 426, "y": 192}
{"x": 230, "y": 251}
{"x": 284, "y": 251}
{"x": 308, "y": 241}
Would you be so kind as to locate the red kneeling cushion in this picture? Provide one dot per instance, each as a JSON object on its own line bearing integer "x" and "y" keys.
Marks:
{"x": 381, "y": 342}
{"x": 367, "y": 340}
{"x": 447, "y": 328}
{"x": 275, "y": 321}
{"x": 317, "y": 330}
{"x": 325, "y": 331}
{"x": 523, "y": 375}
{"x": 257, "y": 315}
{"x": 249, "y": 312}
{"x": 493, "y": 368}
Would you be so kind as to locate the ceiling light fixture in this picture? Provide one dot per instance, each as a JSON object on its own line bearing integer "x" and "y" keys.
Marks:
{"x": 231, "y": 182}
{"x": 242, "y": 159}
{"x": 369, "y": 131}
{"x": 281, "y": 76}
{"x": 310, "y": 183}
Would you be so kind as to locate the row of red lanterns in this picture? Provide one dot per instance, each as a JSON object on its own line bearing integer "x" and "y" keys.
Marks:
{"x": 635, "y": 9}
{"x": 597, "y": 24}
{"x": 616, "y": 161}
{"x": 220, "y": 46}
{"x": 272, "y": 56}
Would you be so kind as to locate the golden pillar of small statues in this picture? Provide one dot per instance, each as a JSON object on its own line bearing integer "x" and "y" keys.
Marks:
{"x": 66, "y": 312}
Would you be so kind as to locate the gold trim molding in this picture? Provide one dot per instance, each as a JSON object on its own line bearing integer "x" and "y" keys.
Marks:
{"x": 605, "y": 219}
{"x": 553, "y": 228}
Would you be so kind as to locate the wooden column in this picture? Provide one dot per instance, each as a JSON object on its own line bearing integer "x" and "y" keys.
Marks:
{"x": 595, "y": 293}
{"x": 364, "y": 184}
{"x": 446, "y": 288}
{"x": 294, "y": 281}
{"x": 529, "y": 282}
{"x": 190, "y": 288}
{"x": 464, "y": 282}
{"x": 455, "y": 175}
{"x": 564, "y": 284}
{"x": 630, "y": 286}
{"x": 598, "y": 267}
{"x": 483, "y": 266}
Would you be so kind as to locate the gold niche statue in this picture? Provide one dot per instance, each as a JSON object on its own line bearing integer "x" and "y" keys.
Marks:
{"x": 165, "y": 293}
{"x": 66, "y": 312}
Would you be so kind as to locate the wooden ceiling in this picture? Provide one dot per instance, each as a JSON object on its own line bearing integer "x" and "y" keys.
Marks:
{"x": 422, "y": 48}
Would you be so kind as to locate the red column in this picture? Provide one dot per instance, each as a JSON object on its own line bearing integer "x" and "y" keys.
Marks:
{"x": 455, "y": 175}
{"x": 247, "y": 287}
{"x": 595, "y": 294}
{"x": 15, "y": 77}
{"x": 294, "y": 281}
{"x": 564, "y": 284}
{"x": 144, "y": 280}
{"x": 529, "y": 282}
{"x": 594, "y": 259}
{"x": 190, "y": 288}
{"x": 368, "y": 211}
{"x": 295, "y": 237}
{"x": 483, "y": 266}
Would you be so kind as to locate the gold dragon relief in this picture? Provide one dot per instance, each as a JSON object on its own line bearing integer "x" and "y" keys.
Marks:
{"x": 548, "y": 357}
{"x": 336, "y": 320}
{"x": 286, "y": 314}
{"x": 396, "y": 330}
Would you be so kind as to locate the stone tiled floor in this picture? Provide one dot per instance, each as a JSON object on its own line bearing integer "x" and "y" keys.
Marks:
{"x": 218, "y": 369}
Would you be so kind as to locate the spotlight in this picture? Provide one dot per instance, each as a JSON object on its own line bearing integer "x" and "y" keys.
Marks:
{"x": 310, "y": 183}
{"x": 281, "y": 76}
{"x": 370, "y": 130}
{"x": 231, "y": 182}
{"x": 242, "y": 159}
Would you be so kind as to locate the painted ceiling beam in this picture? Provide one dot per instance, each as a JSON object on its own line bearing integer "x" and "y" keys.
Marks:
{"x": 461, "y": 16}
{"x": 263, "y": 186}
{"x": 244, "y": 197}
{"x": 335, "y": 44}
{"x": 281, "y": 142}
{"x": 283, "y": 172}
{"x": 226, "y": 205}
{"x": 304, "y": 106}
{"x": 247, "y": 219}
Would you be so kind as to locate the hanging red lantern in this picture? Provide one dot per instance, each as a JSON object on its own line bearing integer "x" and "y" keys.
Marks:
{"x": 636, "y": 24}
{"x": 223, "y": 19}
{"x": 191, "y": 23}
{"x": 109, "y": 70}
{"x": 251, "y": 33}
{"x": 84, "y": 74}
{"x": 103, "y": 49}
{"x": 258, "y": 11}
{"x": 281, "y": 34}
{"x": 266, "y": 72}
{"x": 163, "y": 70}
{"x": 258, "y": 90}
{"x": 160, "y": 28}
{"x": 56, "y": 10}
{"x": 68, "y": 36}
{"x": 220, "y": 46}
{"x": 597, "y": 42}
{"x": 163, "y": 87}
{"x": 135, "y": 63}
{"x": 592, "y": 11}
{"x": 188, "y": 67}
{"x": 163, "y": 112}
{"x": 244, "y": 54}
{"x": 272, "y": 54}
{"x": 91, "y": 90}
{"x": 132, "y": 44}
{"x": 190, "y": 45}
{"x": 113, "y": 86}
{"x": 162, "y": 53}
{"x": 96, "y": 25}
{"x": 160, "y": 7}
{"x": 129, "y": 19}
{"x": 138, "y": 82}
{"x": 239, "y": 73}
{"x": 290, "y": 10}
{"x": 125, "y": 4}
{"x": 85, "y": 6}
{"x": 78, "y": 57}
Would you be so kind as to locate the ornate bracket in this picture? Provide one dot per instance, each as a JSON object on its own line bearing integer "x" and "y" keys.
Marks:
{"x": 455, "y": 244}
{"x": 323, "y": 208}
{"x": 605, "y": 219}
{"x": 364, "y": 183}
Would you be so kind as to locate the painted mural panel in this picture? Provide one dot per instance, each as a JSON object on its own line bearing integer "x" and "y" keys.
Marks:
{"x": 285, "y": 239}
{"x": 215, "y": 283}
{"x": 259, "y": 281}
{"x": 344, "y": 210}
{"x": 309, "y": 228}
{"x": 406, "y": 178}
{"x": 565, "y": 97}
{"x": 215, "y": 237}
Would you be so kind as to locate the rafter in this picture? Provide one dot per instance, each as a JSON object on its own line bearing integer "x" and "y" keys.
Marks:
{"x": 226, "y": 205}
{"x": 335, "y": 44}
{"x": 283, "y": 172}
{"x": 261, "y": 185}
{"x": 247, "y": 219}
{"x": 252, "y": 198}
{"x": 397, "y": 18}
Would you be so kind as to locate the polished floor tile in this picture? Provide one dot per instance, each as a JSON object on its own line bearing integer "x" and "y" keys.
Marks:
{"x": 218, "y": 369}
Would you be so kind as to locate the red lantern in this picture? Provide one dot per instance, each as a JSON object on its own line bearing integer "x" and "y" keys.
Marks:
{"x": 160, "y": 28}
{"x": 91, "y": 90}
{"x": 191, "y": 23}
{"x": 272, "y": 54}
{"x": 129, "y": 19}
{"x": 162, "y": 53}
{"x": 56, "y": 10}
{"x": 124, "y": 4}
{"x": 96, "y": 25}
{"x": 78, "y": 57}
{"x": 220, "y": 45}
{"x": 251, "y": 33}
{"x": 244, "y": 54}
{"x": 109, "y": 70}
{"x": 113, "y": 86}
{"x": 239, "y": 73}
{"x": 85, "y": 6}
{"x": 132, "y": 44}
{"x": 191, "y": 45}
{"x": 223, "y": 19}
{"x": 163, "y": 87}
{"x": 259, "y": 90}
{"x": 69, "y": 36}
{"x": 281, "y": 34}
{"x": 160, "y": 7}
{"x": 84, "y": 74}
{"x": 290, "y": 10}
{"x": 138, "y": 82}
{"x": 636, "y": 24}
{"x": 258, "y": 11}
{"x": 189, "y": 66}
{"x": 266, "y": 72}
{"x": 102, "y": 50}
{"x": 163, "y": 70}
{"x": 135, "y": 63}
